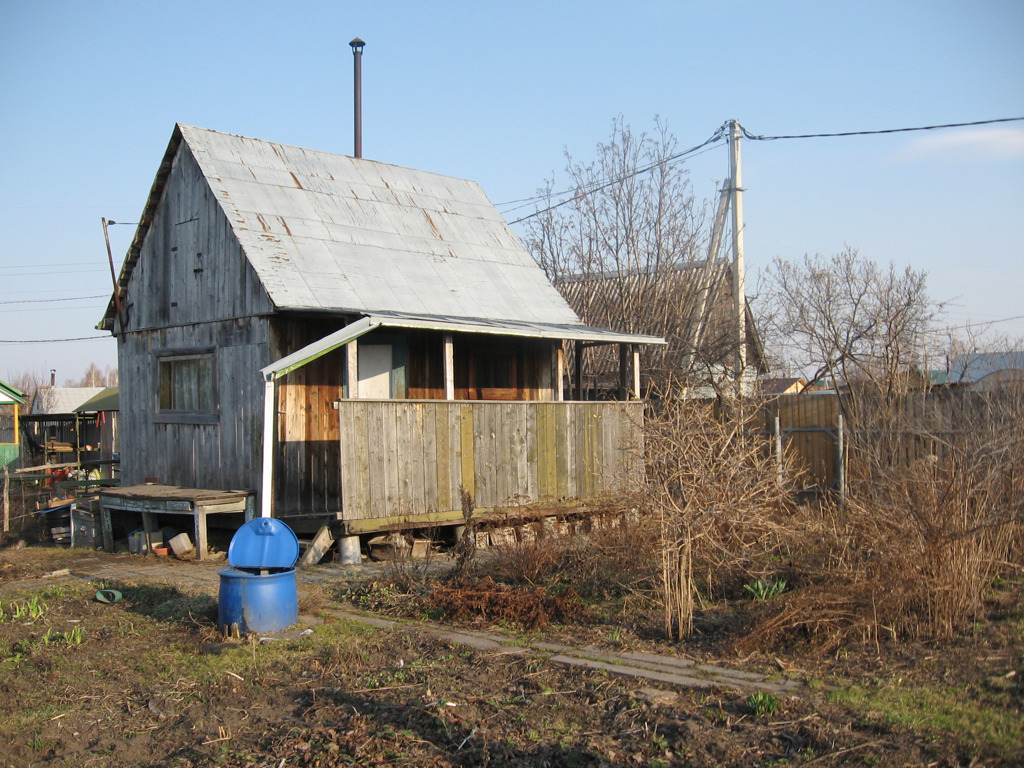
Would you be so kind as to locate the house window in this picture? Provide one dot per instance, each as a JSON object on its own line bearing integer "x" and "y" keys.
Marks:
{"x": 187, "y": 387}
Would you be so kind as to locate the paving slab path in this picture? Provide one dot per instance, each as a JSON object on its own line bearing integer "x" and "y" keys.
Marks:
{"x": 202, "y": 577}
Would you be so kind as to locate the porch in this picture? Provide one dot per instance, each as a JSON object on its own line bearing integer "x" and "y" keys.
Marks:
{"x": 403, "y": 463}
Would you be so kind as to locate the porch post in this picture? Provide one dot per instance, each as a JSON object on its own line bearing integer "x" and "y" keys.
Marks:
{"x": 623, "y": 371}
{"x": 558, "y": 366}
{"x": 578, "y": 369}
{"x": 352, "y": 368}
{"x": 269, "y": 414}
{"x": 635, "y": 348}
{"x": 449, "y": 368}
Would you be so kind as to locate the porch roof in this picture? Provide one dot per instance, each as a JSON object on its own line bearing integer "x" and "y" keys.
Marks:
{"x": 563, "y": 332}
{"x": 11, "y": 395}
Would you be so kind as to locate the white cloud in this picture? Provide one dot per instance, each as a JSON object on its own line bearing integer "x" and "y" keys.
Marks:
{"x": 982, "y": 143}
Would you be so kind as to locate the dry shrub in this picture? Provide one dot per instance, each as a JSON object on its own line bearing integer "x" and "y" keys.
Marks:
{"x": 934, "y": 511}
{"x": 484, "y": 599}
{"x": 525, "y": 555}
{"x": 936, "y": 506}
{"x": 603, "y": 556}
{"x": 615, "y": 556}
{"x": 718, "y": 495}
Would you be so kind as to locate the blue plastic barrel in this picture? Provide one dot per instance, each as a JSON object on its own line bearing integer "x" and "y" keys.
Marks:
{"x": 254, "y": 602}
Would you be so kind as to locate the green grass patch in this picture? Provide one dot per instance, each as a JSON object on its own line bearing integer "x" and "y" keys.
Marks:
{"x": 988, "y": 723}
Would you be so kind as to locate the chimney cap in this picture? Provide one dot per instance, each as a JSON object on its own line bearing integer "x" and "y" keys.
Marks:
{"x": 357, "y": 44}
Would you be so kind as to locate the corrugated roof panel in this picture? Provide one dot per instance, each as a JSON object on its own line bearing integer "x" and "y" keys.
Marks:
{"x": 335, "y": 232}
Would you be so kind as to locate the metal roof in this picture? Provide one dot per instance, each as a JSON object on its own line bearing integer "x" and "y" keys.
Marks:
{"x": 107, "y": 400}
{"x": 332, "y": 232}
{"x": 61, "y": 400}
{"x": 972, "y": 368}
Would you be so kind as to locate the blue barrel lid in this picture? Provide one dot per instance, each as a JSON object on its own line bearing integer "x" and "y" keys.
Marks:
{"x": 265, "y": 542}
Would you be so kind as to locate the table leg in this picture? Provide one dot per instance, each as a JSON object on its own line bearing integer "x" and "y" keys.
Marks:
{"x": 201, "y": 543}
{"x": 108, "y": 531}
{"x": 147, "y": 527}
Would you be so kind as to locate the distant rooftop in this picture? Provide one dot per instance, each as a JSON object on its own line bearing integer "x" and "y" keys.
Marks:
{"x": 54, "y": 400}
{"x": 970, "y": 369}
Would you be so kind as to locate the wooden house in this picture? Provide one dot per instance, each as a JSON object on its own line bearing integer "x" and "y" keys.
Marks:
{"x": 352, "y": 340}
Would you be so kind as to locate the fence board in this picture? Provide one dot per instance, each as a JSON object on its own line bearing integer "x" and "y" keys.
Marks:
{"x": 408, "y": 458}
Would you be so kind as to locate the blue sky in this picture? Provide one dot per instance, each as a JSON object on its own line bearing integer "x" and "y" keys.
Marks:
{"x": 496, "y": 92}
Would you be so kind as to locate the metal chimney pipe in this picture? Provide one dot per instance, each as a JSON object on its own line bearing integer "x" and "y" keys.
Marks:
{"x": 357, "y": 55}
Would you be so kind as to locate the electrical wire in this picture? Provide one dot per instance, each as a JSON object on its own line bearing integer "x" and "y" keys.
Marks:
{"x": 755, "y": 137}
{"x": 50, "y": 301}
{"x": 718, "y": 136}
{"x": 971, "y": 325}
{"x": 48, "y": 271}
{"x": 51, "y": 341}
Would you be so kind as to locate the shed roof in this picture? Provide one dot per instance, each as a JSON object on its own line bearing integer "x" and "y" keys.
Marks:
{"x": 107, "y": 399}
{"x": 11, "y": 395}
{"x": 330, "y": 232}
{"x": 54, "y": 400}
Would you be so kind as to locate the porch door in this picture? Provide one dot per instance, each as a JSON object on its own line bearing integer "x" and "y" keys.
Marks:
{"x": 375, "y": 364}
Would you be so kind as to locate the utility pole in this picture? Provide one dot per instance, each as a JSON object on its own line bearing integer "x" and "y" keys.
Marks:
{"x": 740, "y": 302}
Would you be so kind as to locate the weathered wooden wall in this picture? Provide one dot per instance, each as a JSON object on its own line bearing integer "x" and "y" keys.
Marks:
{"x": 406, "y": 459}
{"x": 221, "y": 455}
{"x": 306, "y": 478}
{"x": 192, "y": 290}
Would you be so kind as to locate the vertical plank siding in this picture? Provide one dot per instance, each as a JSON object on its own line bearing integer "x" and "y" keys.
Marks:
{"x": 225, "y": 454}
{"x": 192, "y": 289}
{"x": 419, "y": 452}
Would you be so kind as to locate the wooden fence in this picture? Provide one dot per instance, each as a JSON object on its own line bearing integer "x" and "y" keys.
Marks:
{"x": 916, "y": 427}
{"x": 809, "y": 434}
{"x": 406, "y": 460}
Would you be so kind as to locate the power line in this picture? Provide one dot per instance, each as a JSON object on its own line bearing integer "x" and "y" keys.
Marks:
{"x": 970, "y": 325}
{"x": 716, "y": 137}
{"x": 91, "y": 263}
{"x": 50, "y": 301}
{"x": 47, "y": 271}
{"x": 754, "y": 137}
{"x": 51, "y": 341}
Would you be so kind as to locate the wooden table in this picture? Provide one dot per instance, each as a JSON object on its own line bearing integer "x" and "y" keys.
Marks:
{"x": 150, "y": 500}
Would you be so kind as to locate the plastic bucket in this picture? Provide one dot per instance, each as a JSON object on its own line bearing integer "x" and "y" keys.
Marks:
{"x": 253, "y": 602}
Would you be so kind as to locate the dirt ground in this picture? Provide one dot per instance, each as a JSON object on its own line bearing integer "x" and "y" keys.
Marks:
{"x": 148, "y": 681}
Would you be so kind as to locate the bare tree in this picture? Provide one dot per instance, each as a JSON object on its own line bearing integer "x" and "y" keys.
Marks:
{"x": 849, "y": 320}
{"x": 720, "y": 496}
{"x": 94, "y": 376}
{"x": 630, "y": 251}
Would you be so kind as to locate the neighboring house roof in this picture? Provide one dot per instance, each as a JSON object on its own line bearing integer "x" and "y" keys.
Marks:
{"x": 11, "y": 395}
{"x": 106, "y": 400}
{"x": 980, "y": 368}
{"x": 54, "y": 400}
{"x": 335, "y": 233}
{"x": 690, "y": 304}
{"x": 783, "y": 386}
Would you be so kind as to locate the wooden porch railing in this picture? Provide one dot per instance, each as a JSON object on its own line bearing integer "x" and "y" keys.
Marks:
{"x": 405, "y": 460}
